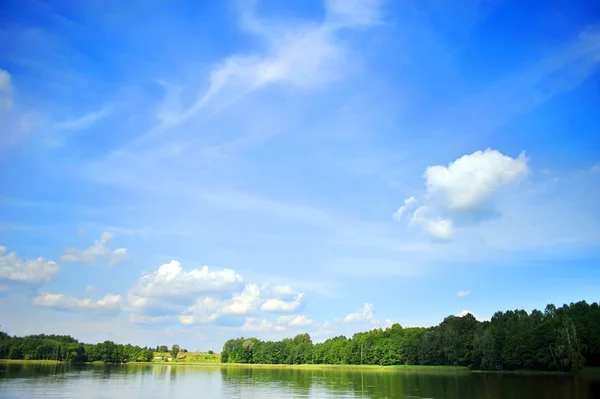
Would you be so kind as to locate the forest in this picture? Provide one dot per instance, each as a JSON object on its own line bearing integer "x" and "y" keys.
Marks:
{"x": 556, "y": 339}
{"x": 67, "y": 349}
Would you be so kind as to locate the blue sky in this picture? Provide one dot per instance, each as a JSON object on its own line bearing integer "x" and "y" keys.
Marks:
{"x": 187, "y": 172}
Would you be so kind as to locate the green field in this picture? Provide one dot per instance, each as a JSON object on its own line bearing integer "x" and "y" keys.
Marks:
{"x": 17, "y": 361}
{"x": 201, "y": 360}
{"x": 190, "y": 357}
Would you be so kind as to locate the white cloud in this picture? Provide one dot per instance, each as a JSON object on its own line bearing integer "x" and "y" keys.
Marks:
{"x": 364, "y": 314}
{"x": 471, "y": 180}
{"x": 440, "y": 228}
{"x": 279, "y": 305}
{"x": 283, "y": 290}
{"x": 252, "y": 300}
{"x": 435, "y": 226}
{"x": 26, "y": 271}
{"x": 297, "y": 54}
{"x": 257, "y": 324}
{"x": 171, "y": 281}
{"x": 85, "y": 121}
{"x": 203, "y": 296}
{"x": 109, "y": 304}
{"x": 462, "y": 294}
{"x": 408, "y": 203}
{"x": 387, "y": 323}
{"x": 464, "y": 187}
{"x": 3, "y": 288}
{"x": 466, "y": 312}
{"x": 294, "y": 321}
{"x": 205, "y": 310}
{"x": 244, "y": 302}
{"x": 100, "y": 250}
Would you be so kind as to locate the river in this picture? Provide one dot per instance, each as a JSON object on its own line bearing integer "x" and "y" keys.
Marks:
{"x": 168, "y": 381}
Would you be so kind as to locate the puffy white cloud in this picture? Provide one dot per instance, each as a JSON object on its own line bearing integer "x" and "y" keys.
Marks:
{"x": 462, "y": 294}
{"x": 99, "y": 250}
{"x": 363, "y": 314}
{"x": 109, "y": 304}
{"x": 258, "y": 324}
{"x": 205, "y": 310}
{"x": 251, "y": 300}
{"x": 171, "y": 281}
{"x": 26, "y": 271}
{"x": 279, "y": 305}
{"x": 294, "y": 321}
{"x": 439, "y": 228}
{"x": 462, "y": 191}
{"x": 469, "y": 181}
{"x": 203, "y": 296}
{"x": 244, "y": 302}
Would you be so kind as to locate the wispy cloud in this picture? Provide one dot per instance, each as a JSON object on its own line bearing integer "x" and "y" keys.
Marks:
{"x": 99, "y": 251}
{"x": 521, "y": 92}
{"x": 110, "y": 304}
{"x": 16, "y": 123}
{"x": 300, "y": 55}
{"x": 85, "y": 121}
{"x": 463, "y": 294}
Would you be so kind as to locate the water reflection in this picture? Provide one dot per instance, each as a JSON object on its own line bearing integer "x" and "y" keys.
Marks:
{"x": 386, "y": 384}
{"x": 143, "y": 381}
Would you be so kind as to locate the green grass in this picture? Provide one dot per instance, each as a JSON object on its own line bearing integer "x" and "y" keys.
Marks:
{"x": 191, "y": 357}
{"x": 21, "y": 361}
{"x": 436, "y": 369}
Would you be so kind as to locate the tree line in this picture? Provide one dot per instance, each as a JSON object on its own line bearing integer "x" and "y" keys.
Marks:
{"x": 559, "y": 339}
{"x": 67, "y": 349}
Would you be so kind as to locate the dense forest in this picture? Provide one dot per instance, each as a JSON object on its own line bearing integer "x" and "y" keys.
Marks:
{"x": 67, "y": 349}
{"x": 559, "y": 339}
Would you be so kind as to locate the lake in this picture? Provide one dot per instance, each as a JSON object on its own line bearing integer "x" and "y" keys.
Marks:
{"x": 145, "y": 381}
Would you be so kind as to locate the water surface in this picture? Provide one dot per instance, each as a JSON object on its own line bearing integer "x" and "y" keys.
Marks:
{"x": 63, "y": 381}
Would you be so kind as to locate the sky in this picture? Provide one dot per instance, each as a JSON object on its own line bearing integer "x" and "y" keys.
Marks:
{"x": 189, "y": 172}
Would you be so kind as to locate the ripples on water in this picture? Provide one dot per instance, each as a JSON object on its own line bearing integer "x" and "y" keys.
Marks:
{"x": 60, "y": 381}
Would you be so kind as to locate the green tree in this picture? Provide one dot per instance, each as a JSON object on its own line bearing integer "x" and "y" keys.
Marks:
{"x": 174, "y": 351}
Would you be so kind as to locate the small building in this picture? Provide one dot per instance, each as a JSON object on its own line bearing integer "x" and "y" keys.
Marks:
{"x": 159, "y": 358}
{"x": 169, "y": 359}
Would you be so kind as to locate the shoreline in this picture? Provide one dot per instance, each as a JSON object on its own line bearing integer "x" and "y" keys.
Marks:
{"x": 340, "y": 367}
{"x": 37, "y": 361}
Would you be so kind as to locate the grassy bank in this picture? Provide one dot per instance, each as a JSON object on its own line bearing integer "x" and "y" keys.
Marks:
{"x": 213, "y": 361}
{"x": 190, "y": 357}
{"x": 20, "y": 361}
{"x": 349, "y": 367}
